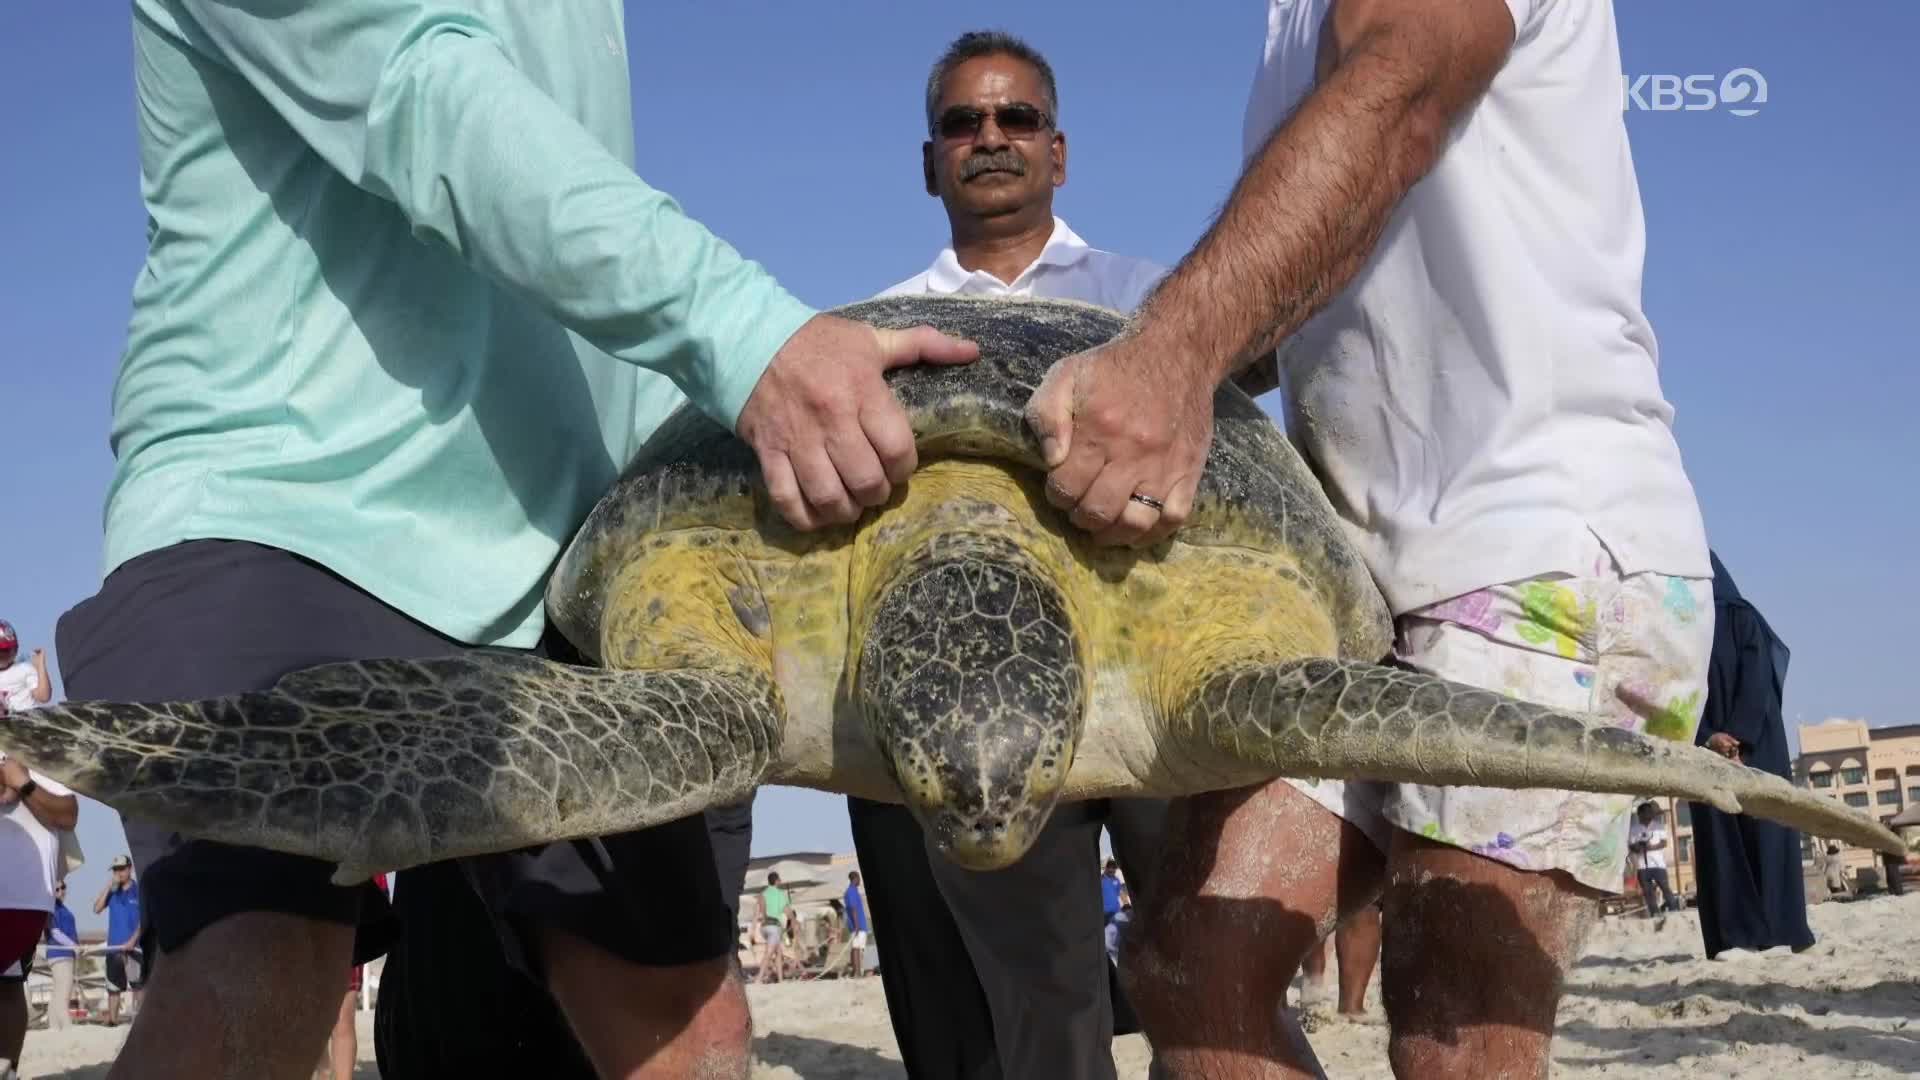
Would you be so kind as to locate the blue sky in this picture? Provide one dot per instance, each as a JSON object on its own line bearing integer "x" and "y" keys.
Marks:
{"x": 1781, "y": 266}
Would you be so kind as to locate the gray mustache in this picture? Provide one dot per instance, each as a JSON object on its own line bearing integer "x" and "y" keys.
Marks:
{"x": 998, "y": 160}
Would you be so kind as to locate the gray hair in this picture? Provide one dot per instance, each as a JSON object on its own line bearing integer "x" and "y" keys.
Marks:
{"x": 978, "y": 43}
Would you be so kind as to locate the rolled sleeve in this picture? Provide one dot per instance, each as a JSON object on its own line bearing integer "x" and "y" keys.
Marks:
{"x": 421, "y": 103}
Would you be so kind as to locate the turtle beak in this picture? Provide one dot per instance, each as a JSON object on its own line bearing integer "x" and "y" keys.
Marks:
{"x": 988, "y": 798}
{"x": 974, "y": 691}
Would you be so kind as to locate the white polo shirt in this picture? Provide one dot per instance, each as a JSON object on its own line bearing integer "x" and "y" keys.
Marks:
{"x": 1483, "y": 399}
{"x": 1066, "y": 269}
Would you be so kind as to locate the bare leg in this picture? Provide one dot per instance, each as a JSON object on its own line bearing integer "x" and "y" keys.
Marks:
{"x": 60, "y": 1006}
{"x": 252, "y": 988}
{"x": 1314, "y": 967}
{"x": 1251, "y": 881}
{"x": 650, "y": 1023}
{"x": 1357, "y": 945}
{"x": 344, "y": 1046}
{"x": 1313, "y": 971}
{"x": 1473, "y": 961}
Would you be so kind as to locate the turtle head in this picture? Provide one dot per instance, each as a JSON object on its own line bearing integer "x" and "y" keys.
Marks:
{"x": 973, "y": 689}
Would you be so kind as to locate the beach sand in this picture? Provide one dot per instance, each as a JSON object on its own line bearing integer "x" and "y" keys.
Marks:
{"x": 1643, "y": 1002}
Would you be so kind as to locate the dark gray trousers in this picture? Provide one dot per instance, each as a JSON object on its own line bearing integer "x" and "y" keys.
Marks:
{"x": 1038, "y": 939}
{"x": 1029, "y": 940}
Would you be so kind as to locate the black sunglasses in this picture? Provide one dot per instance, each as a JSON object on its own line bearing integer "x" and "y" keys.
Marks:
{"x": 1017, "y": 121}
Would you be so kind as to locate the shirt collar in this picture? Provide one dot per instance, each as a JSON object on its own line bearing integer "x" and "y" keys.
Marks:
{"x": 1063, "y": 248}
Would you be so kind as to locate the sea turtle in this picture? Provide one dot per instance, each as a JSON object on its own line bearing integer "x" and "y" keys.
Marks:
{"x": 962, "y": 649}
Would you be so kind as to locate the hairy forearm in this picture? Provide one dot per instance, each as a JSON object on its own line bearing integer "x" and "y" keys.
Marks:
{"x": 1311, "y": 205}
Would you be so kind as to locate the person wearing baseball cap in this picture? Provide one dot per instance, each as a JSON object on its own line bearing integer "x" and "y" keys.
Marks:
{"x": 120, "y": 900}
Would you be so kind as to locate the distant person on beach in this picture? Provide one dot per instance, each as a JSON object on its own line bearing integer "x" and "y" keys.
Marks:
{"x": 1647, "y": 844}
{"x": 1751, "y": 891}
{"x": 1116, "y": 927}
{"x": 1434, "y": 250}
{"x": 772, "y": 920}
{"x": 23, "y": 684}
{"x": 342, "y": 1047}
{"x": 1113, "y": 893}
{"x": 62, "y": 941}
{"x": 1355, "y": 944}
{"x": 125, "y": 959}
{"x": 1838, "y": 882}
{"x": 1026, "y": 941}
{"x": 854, "y": 905}
{"x": 407, "y": 311}
{"x": 34, "y": 810}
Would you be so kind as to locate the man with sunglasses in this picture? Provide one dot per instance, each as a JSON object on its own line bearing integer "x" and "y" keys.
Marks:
{"x": 1439, "y": 229}
{"x": 1003, "y": 973}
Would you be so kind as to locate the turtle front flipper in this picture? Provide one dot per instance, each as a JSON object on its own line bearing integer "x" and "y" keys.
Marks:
{"x": 1357, "y": 721}
{"x": 386, "y": 764}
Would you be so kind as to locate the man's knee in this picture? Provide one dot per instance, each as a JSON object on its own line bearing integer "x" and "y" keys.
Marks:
{"x": 1174, "y": 959}
{"x": 1449, "y": 1057}
{"x": 1469, "y": 942}
{"x": 711, "y": 999}
{"x": 708, "y": 996}
{"x": 1230, "y": 910}
{"x": 622, "y": 1011}
{"x": 715, "y": 1017}
{"x": 274, "y": 959}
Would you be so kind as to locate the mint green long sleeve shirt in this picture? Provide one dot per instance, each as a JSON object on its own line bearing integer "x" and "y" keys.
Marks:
{"x": 407, "y": 309}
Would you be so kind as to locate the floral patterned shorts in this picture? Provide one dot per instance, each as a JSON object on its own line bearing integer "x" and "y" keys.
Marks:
{"x": 1632, "y": 649}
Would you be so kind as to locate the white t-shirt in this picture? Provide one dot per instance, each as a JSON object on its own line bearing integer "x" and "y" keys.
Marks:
{"x": 1066, "y": 269}
{"x": 28, "y": 853}
{"x": 1654, "y": 833}
{"x": 1485, "y": 392}
{"x": 17, "y": 683}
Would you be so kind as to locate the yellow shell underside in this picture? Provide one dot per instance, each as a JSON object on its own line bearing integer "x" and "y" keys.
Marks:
{"x": 1150, "y": 625}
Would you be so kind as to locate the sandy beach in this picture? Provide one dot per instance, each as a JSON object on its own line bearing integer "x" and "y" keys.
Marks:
{"x": 1643, "y": 1002}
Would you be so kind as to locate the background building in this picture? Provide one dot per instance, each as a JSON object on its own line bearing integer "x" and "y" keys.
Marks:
{"x": 1875, "y": 770}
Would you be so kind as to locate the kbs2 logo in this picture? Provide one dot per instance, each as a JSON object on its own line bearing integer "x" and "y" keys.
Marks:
{"x": 1741, "y": 92}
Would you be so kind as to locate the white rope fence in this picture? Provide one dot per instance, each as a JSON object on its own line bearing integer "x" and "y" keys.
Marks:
{"x": 40, "y": 955}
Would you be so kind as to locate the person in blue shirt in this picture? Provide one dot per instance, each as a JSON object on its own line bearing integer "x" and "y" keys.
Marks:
{"x": 1110, "y": 890}
{"x": 63, "y": 933}
{"x": 406, "y": 312}
{"x": 125, "y": 960}
{"x": 855, "y": 903}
